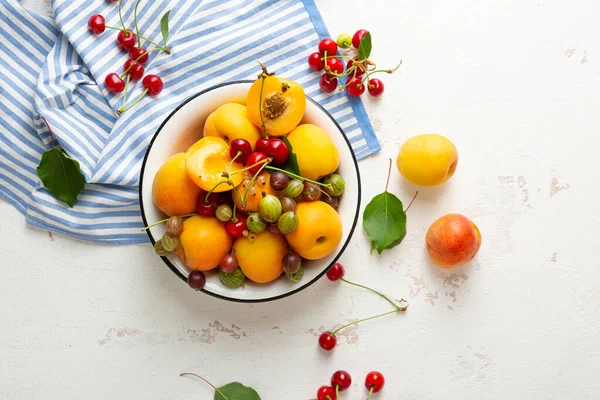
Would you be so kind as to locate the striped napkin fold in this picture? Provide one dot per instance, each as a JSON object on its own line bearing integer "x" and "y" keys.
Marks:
{"x": 54, "y": 67}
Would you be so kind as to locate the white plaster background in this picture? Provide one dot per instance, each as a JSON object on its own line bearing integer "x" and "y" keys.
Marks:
{"x": 516, "y": 85}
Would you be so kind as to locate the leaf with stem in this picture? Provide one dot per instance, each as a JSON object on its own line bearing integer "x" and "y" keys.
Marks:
{"x": 164, "y": 27}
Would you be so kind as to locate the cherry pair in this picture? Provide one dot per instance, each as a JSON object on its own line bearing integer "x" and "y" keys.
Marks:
{"x": 341, "y": 380}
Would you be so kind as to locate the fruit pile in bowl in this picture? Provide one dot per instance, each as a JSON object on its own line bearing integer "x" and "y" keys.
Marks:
{"x": 250, "y": 191}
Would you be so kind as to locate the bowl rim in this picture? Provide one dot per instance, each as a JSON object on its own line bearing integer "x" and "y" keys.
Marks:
{"x": 174, "y": 269}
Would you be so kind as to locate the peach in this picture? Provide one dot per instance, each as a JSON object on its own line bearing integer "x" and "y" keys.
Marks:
{"x": 453, "y": 240}
{"x": 173, "y": 192}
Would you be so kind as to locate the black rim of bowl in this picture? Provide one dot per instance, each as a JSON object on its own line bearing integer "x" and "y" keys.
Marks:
{"x": 219, "y": 296}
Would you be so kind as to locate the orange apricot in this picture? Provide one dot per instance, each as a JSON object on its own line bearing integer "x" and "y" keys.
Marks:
{"x": 173, "y": 192}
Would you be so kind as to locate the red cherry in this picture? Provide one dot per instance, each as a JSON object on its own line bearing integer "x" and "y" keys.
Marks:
{"x": 334, "y": 65}
{"x": 335, "y": 272}
{"x": 341, "y": 379}
{"x": 236, "y": 229}
{"x": 327, "y": 341}
{"x": 329, "y": 46}
{"x": 96, "y": 24}
{"x": 242, "y": 146}
{"x": 126, "y": 39}
{"x": 114, "y": 83}
{"x": 359, "y": 71}
{"x": 196, "y": 280}
{"x": 326, "y": 393}
{"x": 328, "y": 83}
{"x": 206, "y": 209}
{"x": 355, "y": 87}
{"x": 375, "y": 87}
{"x": 261, "y": 145}
{"x": 315, "y": 62}
{"x": 374, "y": 381}
{"x": 153, "y": 83}
{"x": 134, "y": 69}
{"x": 138, "y": 54}
{"x": 358, "y": 36}
{"x": 253, "y": 159}
{"x": 278, "y": 150}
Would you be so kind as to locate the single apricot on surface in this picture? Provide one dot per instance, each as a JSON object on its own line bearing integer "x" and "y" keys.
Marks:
{"x": 427, "y": 160}
{"x": 319, "y": 230}
{"x": 173, "y": 192}
{"x": 207, "y": 160}
{"x": 282, "y": 104}
{"x": 261, "y": 258}
{"x": 315, "y": 151}
{"x": 230, "y": 121}
{"x": 204, "y": 242}
{"x": 453, "y": 240}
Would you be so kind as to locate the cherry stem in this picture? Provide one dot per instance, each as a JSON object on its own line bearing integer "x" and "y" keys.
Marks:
{"x": 207, "y": 382}
{"x": 266, "y": 160}
{"x": 122, "y": 110}
{"x": 125, "y": 91}
{"x": 388, "y": 177}
{"x": 371, "y": 392}
{"x": 234, "y": 212}
{"x": 252, "y": 183}
{"x": 387, "y": 71}
{"x": 329, "y": 186}
{"x": 411, "y": 202}
{"x": 372, "y": 290}
{"x": 121, "y": 18}
{"x": 365, "y": 319}
{"x": 212, "y": 190}
{"x": 337, "y": 391}
{"x": 165, "y": 220}
{"x": 49, "y": 130}
{"x": 135, "y": 21}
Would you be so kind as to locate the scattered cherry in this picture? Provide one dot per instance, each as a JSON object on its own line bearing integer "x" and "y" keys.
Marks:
{"x": 242, "y": 146}
{"x": 278, "y": 150}
{"x": 374, "y": 381}
{"x": 335, "y": 65}
{"x": 138, "y": 54}
{"x": 341, "y": 379}
{"x": 126, "y": 39}
{"x": 253, "y": 159}
{"x": 328, "y": 83}
{"x": 315, "y": 62}
{"x": 326, "y": 393}
{"x": 355, "y": 87}
{"x": 329, "y": 46}
{"x": 358, "y": 36}
{"x": 154, "y": 84}
{"x": 359, "y": 71}
{"x": 261, "y": 145}
{"x": 196, "y": 280}
{"x": 134, "y": 69}
{"x": 327, "y": 341}
{"x": 376, "y": 87}
{"x": 96, "y": 24}
{"x": 114, "y": 83}
{"x": 236, "y": 229}
{"x": 336, "y": 272}
{"x": 228, "y": 263}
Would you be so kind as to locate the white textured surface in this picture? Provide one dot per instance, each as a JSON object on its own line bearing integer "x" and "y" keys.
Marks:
{"x": 516, "y": 85}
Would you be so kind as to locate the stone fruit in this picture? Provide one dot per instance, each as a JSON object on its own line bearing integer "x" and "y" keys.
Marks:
{"x": 317, "y": 155}
{"x": 206, "y": 160}
{"x": 260, "y": 259}
{"x": 427, "y": 160}
{"x": 319, "y": 230}
{"x": 229, "y": 122}
{"x": 282, "y": 105}
{"x": 204, "y": 243}
{"x": 261, "y": 185}
{"x": 173, "y": 192}
{"x": 452, "y": 240}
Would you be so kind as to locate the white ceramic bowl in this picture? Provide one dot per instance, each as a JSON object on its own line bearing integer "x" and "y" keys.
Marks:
{"x": 183, "y": 127}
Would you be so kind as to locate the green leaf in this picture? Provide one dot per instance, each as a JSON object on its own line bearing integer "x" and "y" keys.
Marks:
{"x": 61, "y": 175}
{"x": 236, "y": 391}
{"x": 164, "y": 27}
{"x": 384, "y": 221}
{"x": 364, "y": 48}
{"x": 297, "y": 277}
{"x": 292, "y": 163}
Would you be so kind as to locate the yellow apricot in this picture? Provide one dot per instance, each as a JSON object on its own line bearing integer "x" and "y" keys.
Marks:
{"x": 260, "y": 185}
{"x": 173, "y": 192}
{"x": 207, "y": 161}
{"x": 282, "y": 104}
{"x": 230, "y": 121}
{"x": 316, "y": 153}
{"x": 319, "y": 230}
{"x": 204, "y": 242}
{"x": 260, "y": 259}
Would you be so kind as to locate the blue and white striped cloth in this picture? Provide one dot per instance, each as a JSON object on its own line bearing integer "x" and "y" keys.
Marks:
{"x": 51, "y": 67}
